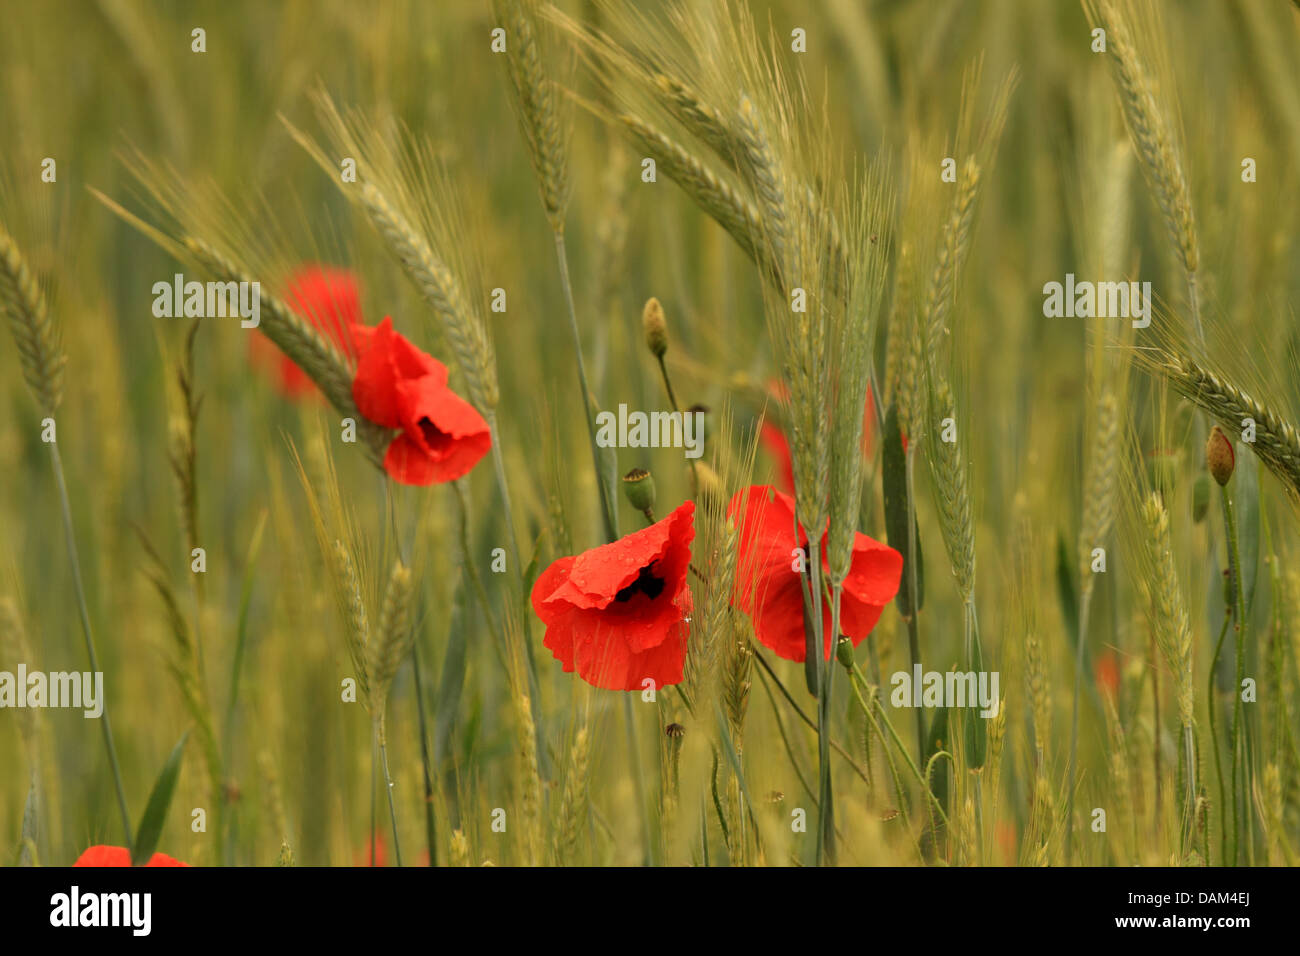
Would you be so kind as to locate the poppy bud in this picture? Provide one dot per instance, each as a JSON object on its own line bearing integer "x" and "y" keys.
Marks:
{"x": 844, "y": 652}
{"x": 639, "y": 487}
{"x": 703, "y": 410}
{"x": 1200, "y": 497}
{"x": 1219, "y": 457}
{"x": 656, "y": 327}
{"x": 676, "y": 731}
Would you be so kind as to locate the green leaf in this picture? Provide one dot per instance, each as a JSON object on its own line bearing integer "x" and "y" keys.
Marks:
{"x": 530, "y": 572}
{"x": 160, "y": 799}
{"x": 894, "y": 479}
{"x": 1065, "y": 575}
{"x": 607, "y": 476}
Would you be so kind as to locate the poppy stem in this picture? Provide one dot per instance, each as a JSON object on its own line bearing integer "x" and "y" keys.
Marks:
{"x": 899, "y": 793}
{"x": 70, "y": 540}
{"x": 672, "y": 400}
{"x": 388, "y": 786}
{"x": 1212, "y": 700}
{"x": 606, "y": 503}
{"x": 1242, "y": 785}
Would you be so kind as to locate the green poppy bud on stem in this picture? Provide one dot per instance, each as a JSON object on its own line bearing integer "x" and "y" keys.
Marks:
{"x": 656, "y": 327}
{"x": 1219, "y": 456}
{"x": 704, "y": 411}
{"x": 639, "y": 486}
{"x": 844, "y": 653}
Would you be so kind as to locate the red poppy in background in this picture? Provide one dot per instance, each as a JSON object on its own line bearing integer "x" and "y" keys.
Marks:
{"x": 1005, "y": 835}
{"x": 774, "y": 442}
{"x": 768, "y": 586}
{"x": 120, "y": 856}
{"x": 619, "y": 614}
{"x": 380, "y": 850}
{"x": 1106, "y": 673}
{"x": 362, "y": 857}
{"x": 398, "y": 386}
{"x": 330, "y": 300}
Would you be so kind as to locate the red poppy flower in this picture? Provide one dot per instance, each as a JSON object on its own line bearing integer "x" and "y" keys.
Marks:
{"x": 120, "y": 856}
{"x": 398, "y": 386}
{"x": 777, "y": 447}
{"x": 768, "y": 586}
{"x": 331, "y": 301}
{"x": 619, "y": 614}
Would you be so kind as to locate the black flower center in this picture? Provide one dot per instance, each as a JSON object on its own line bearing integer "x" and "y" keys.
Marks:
{"x": 647, "y": 583}
{"x": 433, "y": 436}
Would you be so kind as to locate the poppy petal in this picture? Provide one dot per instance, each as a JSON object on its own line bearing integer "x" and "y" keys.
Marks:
{"x": 120, "y": 856}
{"x": 388, "y": 360}
{"x": 619, "y": 614}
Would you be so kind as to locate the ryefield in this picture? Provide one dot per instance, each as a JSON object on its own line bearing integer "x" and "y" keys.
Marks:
{"x": 599, "y": 433}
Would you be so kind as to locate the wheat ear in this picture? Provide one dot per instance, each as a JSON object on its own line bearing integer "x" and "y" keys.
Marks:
{"x": 1099, "y": 485}
{"x": 466, "y": 336}
{"x": 1277, "y": 442}
{"x": 34, "y": 332}
{"x": 1173, "y": 632}
{"x": 953, "y": 495}
{"x": 393, "y": 637}
{"x": 1153, "y": 137}
{"x": 1174, "y": 638}
{"x": 299, "y": 341}
{"x": 531, "y": 780}
{"x": 716, "y": 197}
{"x": 357, "y": 633}
{"x": 545, "y": 130}
{"x": 952, "y": 252}
{"x": 573, "y": 807}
